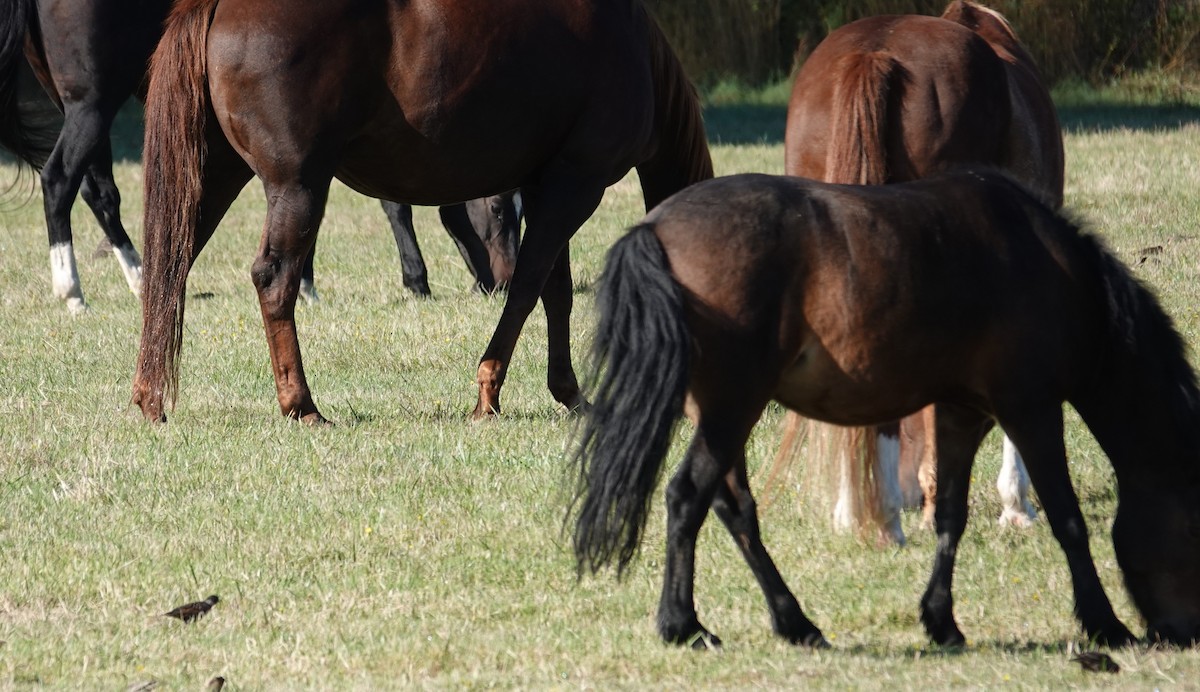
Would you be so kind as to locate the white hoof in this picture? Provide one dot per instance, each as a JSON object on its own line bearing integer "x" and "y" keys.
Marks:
{"x": 309, "y": 292}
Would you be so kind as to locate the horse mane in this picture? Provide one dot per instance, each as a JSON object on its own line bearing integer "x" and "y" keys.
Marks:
{"x": 1141, "y": 332}
{"x": 682, "y": 156}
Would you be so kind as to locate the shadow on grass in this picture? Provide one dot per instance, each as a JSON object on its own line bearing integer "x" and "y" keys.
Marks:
{"x": 1060, "y": 647}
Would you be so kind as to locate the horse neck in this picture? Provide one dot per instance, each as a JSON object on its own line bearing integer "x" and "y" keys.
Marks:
{"x": 1145, "y": 419}
{"x": 681, "y": 157}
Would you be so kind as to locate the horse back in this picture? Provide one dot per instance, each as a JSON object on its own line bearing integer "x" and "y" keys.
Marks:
{"x": 942, "y": 99}
{"x": 434, "y": 101}
{"x": 895, "y": 295}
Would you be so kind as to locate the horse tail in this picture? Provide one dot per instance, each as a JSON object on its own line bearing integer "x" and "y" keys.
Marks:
{"x": 643, "y": 347}
{"x": 21, "y": 131}
{"x": 682, "y": 156}
{"x": 177, "y": 105}
{"x": 857, "y": 153}
{"x": 842, "y": 472}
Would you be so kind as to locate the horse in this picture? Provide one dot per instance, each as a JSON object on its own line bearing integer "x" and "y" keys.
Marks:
{"x": 90, "y": 57}
{"x": 486, "y": 231}
{"x": 856, "y": 305}
{"x": 427, "y": 101}
{"x": 895, "y": 98}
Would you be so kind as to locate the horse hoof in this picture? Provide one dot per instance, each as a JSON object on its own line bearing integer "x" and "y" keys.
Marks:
{"x": 812, "y": 640}
{"x": 1115, "y": 637}
{"x": 1015, "y": 518}
{"x": 315, "y": 419}
{"x": 703, "y": 641}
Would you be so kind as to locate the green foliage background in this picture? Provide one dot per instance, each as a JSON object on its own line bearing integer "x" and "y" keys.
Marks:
{"x": 755, "y": 41}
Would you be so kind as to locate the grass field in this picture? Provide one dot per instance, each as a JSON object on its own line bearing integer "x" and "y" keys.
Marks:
{"x": 405, "y": 547}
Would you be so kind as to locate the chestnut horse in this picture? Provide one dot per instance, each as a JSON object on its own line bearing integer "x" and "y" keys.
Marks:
{"x": 90, "y": 57}
{"x": 857, "y": 305}
{"x": 894, "y": 98}
{"x": 426, "y": 101}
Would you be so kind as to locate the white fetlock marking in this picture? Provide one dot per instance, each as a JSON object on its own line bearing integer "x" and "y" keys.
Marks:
{"x": 887, "y": 479}
{"x": 64, "y": 277}
{"x": 131, "y": 266}
{"x": 308, "y": 292}
{"x": 1013, "y": 485}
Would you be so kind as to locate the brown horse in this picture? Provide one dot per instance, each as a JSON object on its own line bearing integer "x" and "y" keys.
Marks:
{"x": 856, "y": 305}
{"x": 424, "y": 101}
{"x": 90, "y": 57}
{"x": 895, "y": 98}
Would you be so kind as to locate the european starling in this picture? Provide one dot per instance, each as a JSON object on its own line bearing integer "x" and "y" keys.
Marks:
{"x": 216, "y": 684}
{"x": 1097, "y": 662}
{"x": 192, "y": 611}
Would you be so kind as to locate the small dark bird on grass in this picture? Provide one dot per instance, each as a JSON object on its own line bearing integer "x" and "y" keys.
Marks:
{"x": 216, "y": 684}
{"x": 193, "y": 611}
{"x": 1097, "y": 662}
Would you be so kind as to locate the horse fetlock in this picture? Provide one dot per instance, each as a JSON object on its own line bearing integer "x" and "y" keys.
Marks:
{"x": 689, "y": 633}
{"x": 937, "y": 615}
{"x": 1112, "y": 634}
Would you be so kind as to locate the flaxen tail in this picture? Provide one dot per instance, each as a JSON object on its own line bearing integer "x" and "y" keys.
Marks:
{"x": 177, "y": 107}
{"x": 640, "y": 361}
{"x": 858, "y": 149}
{"x": 842, "y": 461}
{"x": 682, "y": 157}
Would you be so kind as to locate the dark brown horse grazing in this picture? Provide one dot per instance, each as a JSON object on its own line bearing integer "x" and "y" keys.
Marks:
{"x": 427, "y": 101}
{"x": 90, "y": 57}
{"x": 895, "y": 98}
{"x": 855, "y": 305}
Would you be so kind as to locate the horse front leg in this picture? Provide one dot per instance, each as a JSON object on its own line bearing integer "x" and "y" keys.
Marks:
{"x": 555, "y": 211}
{"x": 1040, "y": 441}
{"x": 412, "y": 263}
{"x": 293, "y": 217}
{"x": 960, "y": 430}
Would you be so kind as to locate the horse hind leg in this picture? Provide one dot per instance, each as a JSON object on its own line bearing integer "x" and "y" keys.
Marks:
{"x": 293, "y": 217}
{"x": 1013, "y": 486}
{"x": 83, "y": 130}
{"x": 736, "y": 507}
{"x": 99, "y": 191}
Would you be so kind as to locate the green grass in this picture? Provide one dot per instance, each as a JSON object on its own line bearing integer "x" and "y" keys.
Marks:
{"x": 405, "y": 547}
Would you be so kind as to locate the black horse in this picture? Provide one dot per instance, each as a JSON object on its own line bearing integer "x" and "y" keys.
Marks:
{"x": 90, "y": 57}
{"x": 857, "y": 305}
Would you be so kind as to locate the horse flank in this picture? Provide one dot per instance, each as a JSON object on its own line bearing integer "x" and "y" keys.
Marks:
{"x": 858, "y": 151}
{"x": 682, "y": 157}
{"x": 636, "y": 401}
{"x": 176, "y": 119}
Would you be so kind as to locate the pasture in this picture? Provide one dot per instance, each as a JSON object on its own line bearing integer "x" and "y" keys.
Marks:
{"x": 406, "y": 547}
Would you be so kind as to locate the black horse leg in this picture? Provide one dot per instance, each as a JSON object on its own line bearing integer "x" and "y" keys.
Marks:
{"x": 959, "y": 433}
{"x": 412, "y": 263}
{"x": 83, "y": 129}
{"x": 735, "y": 506}
{"x": 308, "y": 288}
{"x": 1040, "y": 442}
{"x": 100, "y": 192}
{"x": 689, "y": 496}
{"x": 555, "y": 211}
{"x": 558, "y": 299}
{"x": 458, "y": 224}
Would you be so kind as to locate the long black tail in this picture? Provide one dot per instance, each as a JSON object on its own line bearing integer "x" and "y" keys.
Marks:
{"x": 640, "y": 361}
{"x": 28, "y": 130}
